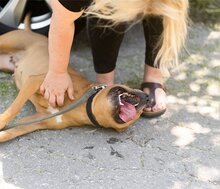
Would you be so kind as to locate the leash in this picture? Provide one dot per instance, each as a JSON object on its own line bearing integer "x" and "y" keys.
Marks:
{"x": 84, "y": 98}
{"x": 187, "y": 51}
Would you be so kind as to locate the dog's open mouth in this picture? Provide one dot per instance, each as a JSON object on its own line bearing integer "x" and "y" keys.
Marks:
{"x": 127, "y": 104}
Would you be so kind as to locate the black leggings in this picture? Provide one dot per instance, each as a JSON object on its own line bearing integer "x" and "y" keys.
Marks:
{"x": 105, "y": 42}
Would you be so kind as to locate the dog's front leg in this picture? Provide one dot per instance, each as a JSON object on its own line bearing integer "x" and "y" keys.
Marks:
{"x": 28, "y": 89}
{"x": 20, "y": 130}
{"x": 12, "y": 133}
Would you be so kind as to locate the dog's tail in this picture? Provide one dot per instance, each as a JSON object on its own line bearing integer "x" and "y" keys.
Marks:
{"x": 27, "y": 22}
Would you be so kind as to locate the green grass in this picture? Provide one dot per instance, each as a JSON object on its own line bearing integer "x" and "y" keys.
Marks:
{"x": 134, "y": 82}
{"x": 7, "y": 88}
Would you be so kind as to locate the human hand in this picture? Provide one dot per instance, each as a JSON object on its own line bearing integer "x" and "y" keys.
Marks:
{"x": 54, "y": 87}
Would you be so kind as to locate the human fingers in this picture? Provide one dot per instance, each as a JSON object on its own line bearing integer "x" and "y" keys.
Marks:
{"x": 42, "y": 89}
{"x": 60, "y": 99}
{"x": 46, "y": 95}
{"x": 52, "y": 100}
{"x": 70, "y": 93}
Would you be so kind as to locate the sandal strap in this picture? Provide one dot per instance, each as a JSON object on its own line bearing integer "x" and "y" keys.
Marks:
{"x": 152, "y": 86}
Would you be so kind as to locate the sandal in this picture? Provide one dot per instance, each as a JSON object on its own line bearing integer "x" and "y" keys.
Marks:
{"x": 152, "y": 87}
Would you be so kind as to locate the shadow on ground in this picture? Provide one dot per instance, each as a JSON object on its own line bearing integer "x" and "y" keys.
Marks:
{"x": 179, "y": 150}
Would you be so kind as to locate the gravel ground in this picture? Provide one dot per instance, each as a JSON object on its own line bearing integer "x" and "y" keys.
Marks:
{"x": 179, "y": 150}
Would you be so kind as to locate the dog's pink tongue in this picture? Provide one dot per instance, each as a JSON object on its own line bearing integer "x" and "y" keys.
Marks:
{"x": 127, "y": 112}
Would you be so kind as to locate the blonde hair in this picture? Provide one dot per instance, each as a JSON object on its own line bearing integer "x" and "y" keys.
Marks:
{"x": 175, "y": 20}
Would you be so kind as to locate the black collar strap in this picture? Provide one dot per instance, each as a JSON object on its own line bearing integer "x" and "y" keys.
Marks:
{"x": 89, "y": 106}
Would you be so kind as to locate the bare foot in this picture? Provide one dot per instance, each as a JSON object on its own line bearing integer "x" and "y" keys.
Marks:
{"x": 154, "y": 75}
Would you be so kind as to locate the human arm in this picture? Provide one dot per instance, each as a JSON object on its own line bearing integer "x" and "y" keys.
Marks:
{"x": 61, "y": 33}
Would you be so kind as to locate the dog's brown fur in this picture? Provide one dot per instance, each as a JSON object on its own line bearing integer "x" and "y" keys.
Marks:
{"x": 25, "y": 53}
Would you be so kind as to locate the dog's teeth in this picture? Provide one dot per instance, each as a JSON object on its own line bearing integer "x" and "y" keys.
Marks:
{"x": 119, "y": 99}
{"x": 124, "y": 95}
{"x": 127, "y": 94}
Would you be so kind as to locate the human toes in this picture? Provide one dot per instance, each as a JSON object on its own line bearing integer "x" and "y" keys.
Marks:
{"x": 159, "y": 106}
{"x": 147, "y": 109}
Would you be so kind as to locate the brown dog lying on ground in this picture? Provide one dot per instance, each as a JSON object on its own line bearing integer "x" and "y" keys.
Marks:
{"x": 25, "y": 53}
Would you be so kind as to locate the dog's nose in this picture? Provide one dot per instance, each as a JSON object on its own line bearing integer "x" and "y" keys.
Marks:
{"x": 147, "y": 98}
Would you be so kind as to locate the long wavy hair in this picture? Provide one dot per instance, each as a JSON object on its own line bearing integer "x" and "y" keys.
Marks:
{"x": 174, "y": 14}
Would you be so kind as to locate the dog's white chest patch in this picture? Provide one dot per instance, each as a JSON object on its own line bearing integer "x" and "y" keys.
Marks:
{"x": 54, "y": 110}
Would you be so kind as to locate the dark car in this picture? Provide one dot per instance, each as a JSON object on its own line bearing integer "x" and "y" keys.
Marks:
{"x": 12, "y": 14}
